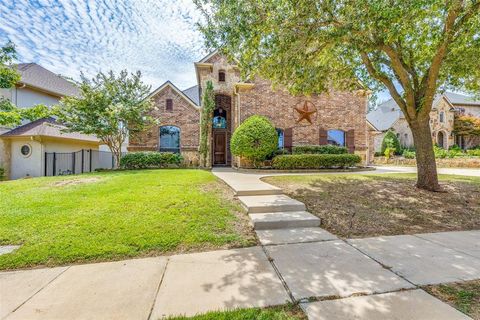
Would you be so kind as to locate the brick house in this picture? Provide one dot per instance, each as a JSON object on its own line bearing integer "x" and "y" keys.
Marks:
{"x": 388, "y": 116}
{"x": 334, "y": 118}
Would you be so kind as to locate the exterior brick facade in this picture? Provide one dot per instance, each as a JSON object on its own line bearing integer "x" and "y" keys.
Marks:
{"x": 183, "y": 115}
{"x": 344, "y": 111}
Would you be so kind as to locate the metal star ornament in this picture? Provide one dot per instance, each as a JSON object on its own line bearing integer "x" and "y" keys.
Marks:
{"x": 306, "y": 112}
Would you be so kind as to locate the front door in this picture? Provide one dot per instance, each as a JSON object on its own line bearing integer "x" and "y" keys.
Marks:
{"x": 219, "y": 148}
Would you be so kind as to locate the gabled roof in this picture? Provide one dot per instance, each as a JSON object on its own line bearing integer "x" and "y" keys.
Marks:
{"x": 36, "y": 76}
{"x": 456, "y": 98}
{"x": 388, "y": 112}
{"x": 193, "y": 93}
{"x": 208, "y": 56}
{"x": 48, "y": 127}
{"x": 385, "y": 116}
{"x": 181, "y": 93}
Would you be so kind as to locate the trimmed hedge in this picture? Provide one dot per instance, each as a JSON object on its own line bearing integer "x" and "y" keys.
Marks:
{"x": 325, "y": 149}
{"x": 144, "y": 160}
{"x": 2, "y": 174}
{"x": 315, "y": 161}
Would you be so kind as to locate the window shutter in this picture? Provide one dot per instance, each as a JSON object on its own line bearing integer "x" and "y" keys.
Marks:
{"x": 323, "y": 137}
{"x": 288, "y": 138}
{"x": 350, "y": 140}
{"x": 169, "y": 105}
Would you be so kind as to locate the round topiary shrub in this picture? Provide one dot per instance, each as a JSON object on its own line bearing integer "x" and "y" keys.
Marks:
{"x": 255, "y": 139}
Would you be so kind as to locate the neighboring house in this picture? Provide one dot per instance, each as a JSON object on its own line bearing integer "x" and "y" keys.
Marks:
{"x": 22, "y": 149}
{"x": 388, "y": 116}
{"x": 38, "y": 86}
{"x": 336, "y": 118}
{"x": 29, "y": 144}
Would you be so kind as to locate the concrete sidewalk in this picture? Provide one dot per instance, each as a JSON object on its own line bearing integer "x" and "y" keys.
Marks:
{"x": 152, "y": 288}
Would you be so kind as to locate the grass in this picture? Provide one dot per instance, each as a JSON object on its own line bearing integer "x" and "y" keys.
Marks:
{"x": 116, "y": 215}
{"x": 366, "y": 205}
{"x": 287, "y": 312}
{"x": 464, "y": 296}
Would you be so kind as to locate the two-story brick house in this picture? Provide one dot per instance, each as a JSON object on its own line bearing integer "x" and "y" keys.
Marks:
{"x": 334, "y": 118}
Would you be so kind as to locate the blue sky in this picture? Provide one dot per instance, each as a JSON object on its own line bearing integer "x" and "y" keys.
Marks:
{"x": 157, "y": 37}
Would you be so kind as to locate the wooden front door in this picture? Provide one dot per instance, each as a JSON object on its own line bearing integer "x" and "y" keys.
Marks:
{"x": 219, "y": 148}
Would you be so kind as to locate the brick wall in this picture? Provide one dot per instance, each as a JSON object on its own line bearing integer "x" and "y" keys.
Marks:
{"x": 337, "y": 110}
{"x": 184, "y": 115}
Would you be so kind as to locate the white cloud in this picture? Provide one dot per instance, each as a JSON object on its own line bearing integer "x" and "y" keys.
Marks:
{"x": 157, "y": 37}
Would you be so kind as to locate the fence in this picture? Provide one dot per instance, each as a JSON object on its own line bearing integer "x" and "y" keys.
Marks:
{"x": 60, "y": 163}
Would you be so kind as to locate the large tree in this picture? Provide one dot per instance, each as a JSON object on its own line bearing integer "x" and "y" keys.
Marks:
{"x": 413, "y": 48}
{"x": 110, "y": 107}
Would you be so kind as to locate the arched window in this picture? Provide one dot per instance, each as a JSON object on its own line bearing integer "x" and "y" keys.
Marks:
{"x": 280, "y": 138}
{"x": 442, "y": 117}
{"x": 219, "y": 118}
{"x": 170, "y": 139}
{"x": 336, "y": 137}
{"x": 221, "y": 76}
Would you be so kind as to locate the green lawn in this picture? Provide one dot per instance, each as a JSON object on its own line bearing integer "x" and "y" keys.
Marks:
{"x": 287, "y": 312}
{"x": 115, "y": 215}
{"x": 368, "y": 205}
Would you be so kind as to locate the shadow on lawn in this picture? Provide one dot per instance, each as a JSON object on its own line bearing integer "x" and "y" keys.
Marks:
{"x": 373, "y": 206}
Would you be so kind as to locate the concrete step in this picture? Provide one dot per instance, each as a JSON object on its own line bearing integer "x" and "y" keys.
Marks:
{"x": 284, "y": 220}
{"x": 270, "y": 203}
{"x": 293, "y": 235}
{"x": 258, "y": 192}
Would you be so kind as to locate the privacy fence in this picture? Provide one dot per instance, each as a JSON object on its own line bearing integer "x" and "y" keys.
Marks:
{"x": 60, "y": 164}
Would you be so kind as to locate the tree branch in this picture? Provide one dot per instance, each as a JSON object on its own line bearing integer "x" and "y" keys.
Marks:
{"x": 386, "y": 81}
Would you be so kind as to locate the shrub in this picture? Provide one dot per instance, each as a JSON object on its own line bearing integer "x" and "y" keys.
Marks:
{"x": 389, "y": 152}
{"x": 409, "y": 154}
{"x": 439, "y": 152}
{"x": 2, "y": 174}
{"x": 378, "y": 154}
{"x": 390, "y": 140}
{"x": 255, "y": 139}
{"x": 474, "y": 152}
{"x": 315, "y": 161}
{"x": 278, "y": 152}
{"x": 326, "y": 149}
{"x": 144, "y": 160}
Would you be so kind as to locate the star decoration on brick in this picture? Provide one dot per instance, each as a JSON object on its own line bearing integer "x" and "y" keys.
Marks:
{"x": 306, "y": 112}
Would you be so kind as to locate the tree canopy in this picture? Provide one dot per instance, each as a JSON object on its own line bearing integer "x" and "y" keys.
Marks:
{"x": 8, "y": 72}
{"x": 110, "y": 107}
{"x": 413, "y": 48}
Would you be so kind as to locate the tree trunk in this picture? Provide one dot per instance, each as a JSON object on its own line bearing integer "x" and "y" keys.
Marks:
{"x": 426, "y": 167}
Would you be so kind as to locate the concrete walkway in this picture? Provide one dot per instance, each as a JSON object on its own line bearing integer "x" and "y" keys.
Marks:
{"x": 374, "y": 278}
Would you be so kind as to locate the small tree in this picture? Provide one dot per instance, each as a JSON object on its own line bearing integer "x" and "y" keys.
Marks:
{"x": 255, "y": 139}
{"x": 208, "y": 104}
{"x": 12, "y": 116}
{"x": 390, "y": 141}
{"x": 109, "y": 107}
{"x": 466, "y": 125}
